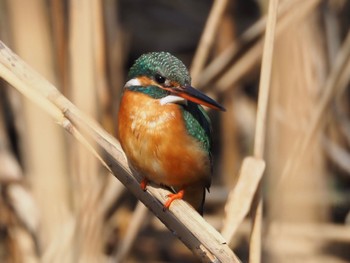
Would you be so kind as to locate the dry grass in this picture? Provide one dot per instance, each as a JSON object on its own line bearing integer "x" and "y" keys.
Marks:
{"x": 58, "y": 200}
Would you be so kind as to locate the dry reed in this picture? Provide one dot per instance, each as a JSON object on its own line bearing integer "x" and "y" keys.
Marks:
{"x": 207, "y": 39}
{"x": 59, "y": 204}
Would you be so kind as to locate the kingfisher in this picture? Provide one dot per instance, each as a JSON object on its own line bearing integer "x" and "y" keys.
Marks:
{"x": 164, "y": 131}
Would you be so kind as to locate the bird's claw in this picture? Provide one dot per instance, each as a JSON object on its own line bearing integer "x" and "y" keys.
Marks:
{"x": 143, "y": 184}
{"x": 172, "y": 197}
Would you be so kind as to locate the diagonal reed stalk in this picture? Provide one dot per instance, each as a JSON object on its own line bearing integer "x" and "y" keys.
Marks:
{"x": 182, "y": 220}
{"x": 218, "y": 64}
{"x": 207, "y": 39}
{"x": 293, "y": 11}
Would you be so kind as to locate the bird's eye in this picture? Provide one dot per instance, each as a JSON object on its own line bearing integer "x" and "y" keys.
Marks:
{"x": 159, "y": 78}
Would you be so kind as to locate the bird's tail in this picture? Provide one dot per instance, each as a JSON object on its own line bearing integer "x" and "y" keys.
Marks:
{"x": 195, "y": 196}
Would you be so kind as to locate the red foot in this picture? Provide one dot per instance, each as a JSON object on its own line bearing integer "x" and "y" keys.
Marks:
{"x": 172, "y": 197}
{"x": 143, "y": 184}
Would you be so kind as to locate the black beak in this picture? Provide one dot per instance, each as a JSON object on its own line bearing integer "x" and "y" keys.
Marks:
{"x": 189, "y": 93}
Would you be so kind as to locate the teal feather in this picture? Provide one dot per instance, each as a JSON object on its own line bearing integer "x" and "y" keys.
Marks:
{"x": 199, "y": 127}
{"x": 162, "y": 63}
{"x": 198, "y": 124}
{"x": 152, "y": 91}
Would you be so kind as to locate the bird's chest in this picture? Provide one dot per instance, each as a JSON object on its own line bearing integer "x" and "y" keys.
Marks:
{"x": 144, "y": 124}
{"x": 157, "y": 143}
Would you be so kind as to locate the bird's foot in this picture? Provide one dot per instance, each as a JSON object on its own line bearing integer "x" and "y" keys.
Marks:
{"x": 172, "y": 197}
{"x": 143, "y": 184}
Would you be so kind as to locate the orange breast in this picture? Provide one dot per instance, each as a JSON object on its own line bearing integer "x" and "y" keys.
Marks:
{"x": 156, "y": 142}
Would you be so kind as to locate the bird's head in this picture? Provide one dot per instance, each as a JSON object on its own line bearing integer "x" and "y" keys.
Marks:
{"x": 163, "y": 76}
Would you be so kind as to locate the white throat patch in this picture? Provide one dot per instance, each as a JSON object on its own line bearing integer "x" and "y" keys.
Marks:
{"x": 173, "y": 99}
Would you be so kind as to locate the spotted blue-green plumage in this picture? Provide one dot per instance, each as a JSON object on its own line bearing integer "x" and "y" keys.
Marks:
{"x": 198, "y": 124}
{"x": 162, "y": 63}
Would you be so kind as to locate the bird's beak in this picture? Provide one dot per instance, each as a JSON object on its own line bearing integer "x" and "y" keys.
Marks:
{"x": 189, "y": 93}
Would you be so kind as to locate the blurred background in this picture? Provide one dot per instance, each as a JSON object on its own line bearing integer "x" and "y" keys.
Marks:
{"x": 58, "y": 204}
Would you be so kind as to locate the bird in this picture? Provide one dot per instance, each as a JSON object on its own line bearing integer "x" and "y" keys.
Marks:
{"x": 163, "y": 129}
